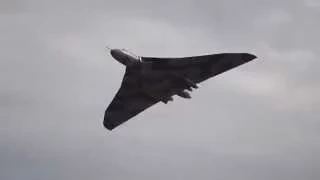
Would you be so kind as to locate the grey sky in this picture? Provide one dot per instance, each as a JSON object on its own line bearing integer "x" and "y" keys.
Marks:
{"x": 260, "y": 121}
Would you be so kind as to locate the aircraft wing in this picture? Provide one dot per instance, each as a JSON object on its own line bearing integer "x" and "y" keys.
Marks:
{"x": 199, "y": 68}
{"x": 127, "y": 103}
{"x": 168, "y": 76}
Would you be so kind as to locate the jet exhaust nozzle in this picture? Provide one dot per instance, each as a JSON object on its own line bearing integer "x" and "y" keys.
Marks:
{"x": 184, "y": 94}
{"x": 166, "y": 100}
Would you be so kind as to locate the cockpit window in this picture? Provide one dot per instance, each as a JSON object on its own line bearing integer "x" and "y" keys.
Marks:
{"x": 130, "y": 53}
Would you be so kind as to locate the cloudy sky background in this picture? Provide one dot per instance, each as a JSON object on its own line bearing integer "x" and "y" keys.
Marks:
{"x": 260, "y": 121}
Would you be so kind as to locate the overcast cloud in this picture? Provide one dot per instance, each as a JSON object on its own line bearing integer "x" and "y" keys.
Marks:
{"x": 259, "y": 121}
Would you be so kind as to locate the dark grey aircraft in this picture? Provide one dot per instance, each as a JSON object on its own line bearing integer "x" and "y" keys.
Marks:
{"x": 148, "y": 80}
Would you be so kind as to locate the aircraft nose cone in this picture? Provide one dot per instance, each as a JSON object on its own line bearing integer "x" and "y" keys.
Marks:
{"x": 113, "y": 53}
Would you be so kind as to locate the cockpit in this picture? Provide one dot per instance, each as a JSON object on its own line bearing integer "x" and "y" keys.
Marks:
{"x": 131, "y": 54}
{"x": 125, "y": 57}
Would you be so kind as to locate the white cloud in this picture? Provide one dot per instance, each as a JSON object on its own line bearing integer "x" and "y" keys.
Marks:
{"x": 273, "y": 18}
{"x": 255, "y": 83}
{"x": 272, "y": 81}
{"x": 312, "y": 3}
{"x": 162, "y": 39}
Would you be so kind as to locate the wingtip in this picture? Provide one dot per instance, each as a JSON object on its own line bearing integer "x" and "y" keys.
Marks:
{"x": 109, "y": 125}
{"x": 249, "y": 56}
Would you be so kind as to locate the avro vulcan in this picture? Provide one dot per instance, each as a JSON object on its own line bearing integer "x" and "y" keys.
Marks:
{"x": 149, "y": 80}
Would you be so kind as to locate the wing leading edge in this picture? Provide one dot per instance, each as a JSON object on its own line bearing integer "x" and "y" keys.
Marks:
{"x": 200, "y": 68}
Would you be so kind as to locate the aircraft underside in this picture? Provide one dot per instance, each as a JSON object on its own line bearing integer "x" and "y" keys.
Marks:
{"x": 149, "y": 80}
